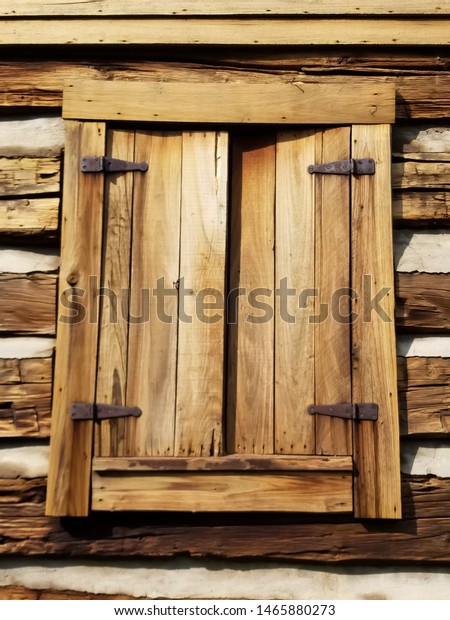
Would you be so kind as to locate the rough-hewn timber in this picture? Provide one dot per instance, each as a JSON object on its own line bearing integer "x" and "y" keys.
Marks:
{"x": 28, "y": 303}
{"x": 423, "y": 301}
{"x": 418, "y": 96}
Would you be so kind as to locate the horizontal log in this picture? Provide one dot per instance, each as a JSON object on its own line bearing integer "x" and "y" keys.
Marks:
{"x": 421, "y": 142}
{"x": 419, "y": 174}
{"x": 28, "y": 175}
{"x": 22, "y": 497}
{"x": 228, "y": 31}
{"x": 105, "y": 8}
{"x": 29, "y": 216}
{"x": 28, "y": 303}
{"x": 424, "y": 395}
{"x": 26, "y": 84}
{"x": 423, "y": 301}
{"x": 37, "y": 370}
{"x": 421, "y": 541}
{"x": 25, "y": 410}
{"x": 421, "y": 206}
{"x": 21, "y": 593}
{"x": 31, "y": 137}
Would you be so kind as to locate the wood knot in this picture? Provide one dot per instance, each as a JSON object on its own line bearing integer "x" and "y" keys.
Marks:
{"x": 72, "y": 278}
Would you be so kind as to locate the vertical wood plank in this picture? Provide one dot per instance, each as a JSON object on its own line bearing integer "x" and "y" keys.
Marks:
{"x": 374, "y": 372}
{"x": 332, "y": 330}
{"x": 113, "y": 342}
{"x": 155, "y": 257}
{"x": 76, "y": 350}
{"x": 251, "y": 350}
{"x": 201, "y": 347}
{"x": 294, "y": 262}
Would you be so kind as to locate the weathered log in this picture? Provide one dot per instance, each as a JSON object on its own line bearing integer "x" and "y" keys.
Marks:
{"x": 35, "y": 370}
{"x": 417, "y": 174}
{"x": 28, "y": 303}
{"x": 29, "y": 217}
{"x": 409, "y": 207}
{"x": 418, "y": 96}
{"x": 29, "y": 175}
{"x": 21, "y": 593}
{"x": 424, "y": 395}
{"x": 423, "y": 301}
{"x": 22, "y": 497}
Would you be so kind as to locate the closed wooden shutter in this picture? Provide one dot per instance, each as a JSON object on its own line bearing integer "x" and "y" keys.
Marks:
{"x": 257, "y": 258}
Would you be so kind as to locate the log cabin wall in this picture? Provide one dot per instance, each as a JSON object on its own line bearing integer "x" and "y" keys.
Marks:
{"x": 283, "y": 552}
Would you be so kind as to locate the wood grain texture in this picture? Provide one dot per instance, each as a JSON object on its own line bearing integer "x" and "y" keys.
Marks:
{"x": 25, "y": 409}
{"x": 250, "y": 404}
{"x": 418, "y": 96}
{"x": 116, "y": 260}
{"x": 25, "y": 216}
{"x": 294, "y": 263}
{"x": 332, "y": 355}
{"x": 29, "y": 175}
{"x": 201, "y": 333}
{"x": 153, "y": 338}
{"x": 184, "y": 8}
{"x": 421, "y": 206}
{"x": 21, "y": 593}
{"x": 420, "y": 538}
{"x": 216, "y": 492}
{"x": 227, "y": 31}
{"x": 37, "y": 370}
{"x": 424, "y": 395}
{"x": 376, "y": 446}
{"x": 21, "y": 497}
{"x": 188, "y": 102}
{"x": 71, "y": 445}
{"x": 418, "y": 174}
{"x": 422, "y": 301}
{"x": 226, "y": 463}
{"x": 28, "y": 303}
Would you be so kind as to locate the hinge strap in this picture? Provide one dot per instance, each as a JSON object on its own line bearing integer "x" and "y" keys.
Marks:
{"x": 109, "y": 164}
{"x": 352, "y": 411}
{"x": 345, "y": 166}
{"x": 91, "y": 411}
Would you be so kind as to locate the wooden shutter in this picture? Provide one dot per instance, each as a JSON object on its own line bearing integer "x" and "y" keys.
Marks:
{"x": 224, "y": 422}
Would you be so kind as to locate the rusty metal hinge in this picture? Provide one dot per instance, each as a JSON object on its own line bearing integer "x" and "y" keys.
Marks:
{"x": 352, "y": 411}
{"x": 91, "y": 411}
{"x": 345, "y": 166}
{"x": 108, "y": 164}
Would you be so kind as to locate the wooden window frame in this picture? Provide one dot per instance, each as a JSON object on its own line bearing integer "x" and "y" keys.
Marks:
{"x": 376, "y": 493}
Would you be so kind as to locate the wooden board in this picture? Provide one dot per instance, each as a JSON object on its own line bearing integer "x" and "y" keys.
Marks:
{"x": 250, "y": 404}
{"x": 28, "y": 175}
{"x": 28, "y": 303}
{"x": 71, "y": 446}
{"x": 184, "y": 8}
{"x": 294, "y": 262}
{"x": 376, "y": 445}
{"x": 188, "y": 102}
{"x": 201, "y": 333}
{"x": 226, "y": 463}
{"x": 332, "y": 362}
{"x": 25, "y": 216}
{"x": 116, "y": 260}
{"x": 228, "y": 31}
{"x": 217, "y": 492}
{"x": 423, "y": 301}
{"x": 152, "y": 348}
{"x": 424, "y": 395}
